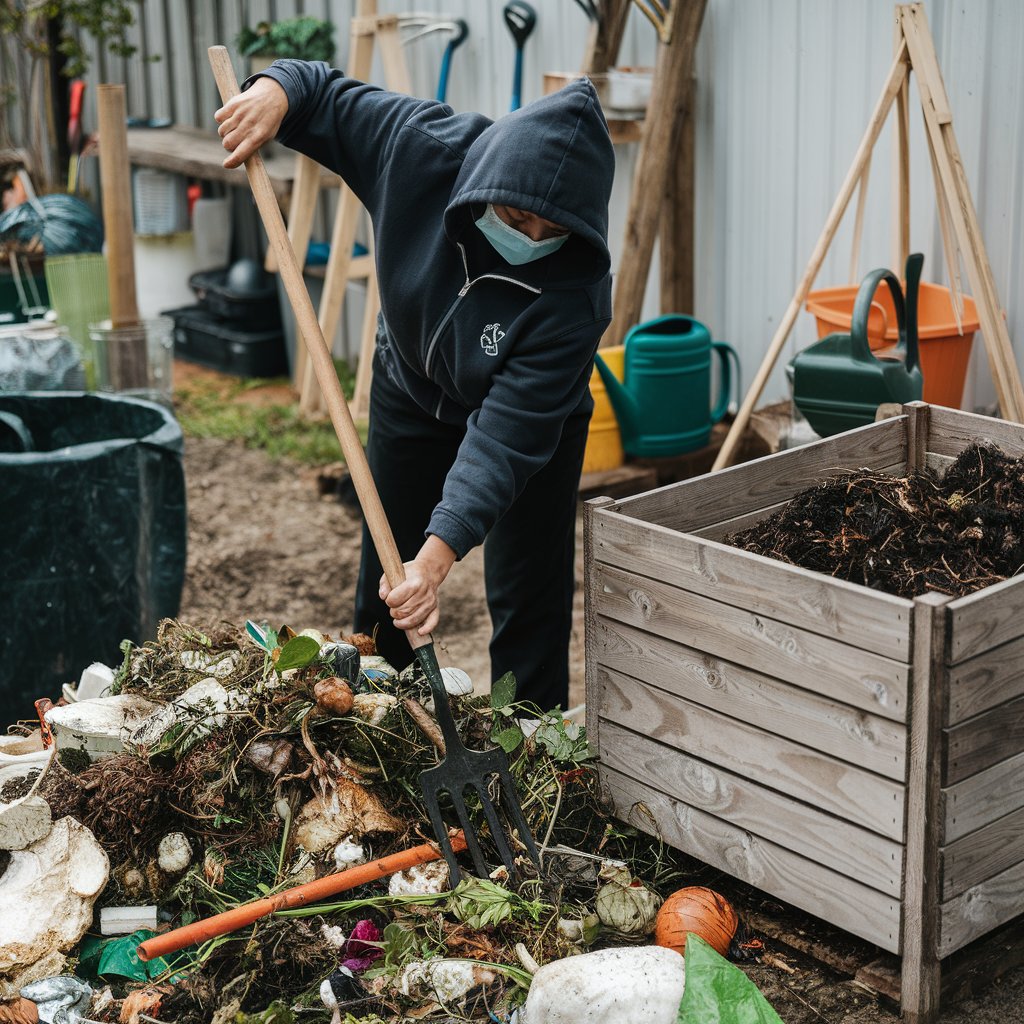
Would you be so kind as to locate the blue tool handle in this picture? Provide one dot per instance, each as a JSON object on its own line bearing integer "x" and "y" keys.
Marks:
{"x": 517, "y": 80}
{"x": 442, "y": 81}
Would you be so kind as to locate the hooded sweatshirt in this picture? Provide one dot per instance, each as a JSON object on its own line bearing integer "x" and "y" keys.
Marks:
{"x": 505, "y": 351}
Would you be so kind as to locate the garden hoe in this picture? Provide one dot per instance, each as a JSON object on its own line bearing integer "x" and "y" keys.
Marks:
{"x": 461, "y": 768}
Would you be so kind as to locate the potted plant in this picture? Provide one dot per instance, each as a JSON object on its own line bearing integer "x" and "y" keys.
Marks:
{"x": 303, "y": 38}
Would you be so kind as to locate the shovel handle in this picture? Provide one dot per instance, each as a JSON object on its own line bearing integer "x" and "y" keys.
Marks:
{"x": 316, "y": 347}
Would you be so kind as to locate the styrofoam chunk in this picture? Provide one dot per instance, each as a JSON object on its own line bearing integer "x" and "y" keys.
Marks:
{"x": 95, "y": 681}
{"x": 125, "y": 920}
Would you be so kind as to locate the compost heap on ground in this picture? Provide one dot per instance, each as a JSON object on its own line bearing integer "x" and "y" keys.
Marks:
{"x": 906, "y": 535}
{"x": 291, "y": 778}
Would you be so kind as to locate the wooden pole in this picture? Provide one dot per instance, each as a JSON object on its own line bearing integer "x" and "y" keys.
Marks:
{"x": 605, "y": 37}
{"x": 319, "y": 353}
{"x": 678, "y": 216}
{"x": 893, "y": 83}
{"x": 672, "y": 74}
{"x": 920, "y": 971}
{"x": 124, "y": 347}
{"x": 901, "y": 164}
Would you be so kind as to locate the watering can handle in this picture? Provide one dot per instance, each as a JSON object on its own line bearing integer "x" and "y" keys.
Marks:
{"x": 725, "y": 350}
{"x": 906, "y": 312}
{"x": 860, "y": 349}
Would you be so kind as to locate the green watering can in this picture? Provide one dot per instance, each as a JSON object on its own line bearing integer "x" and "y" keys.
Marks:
{"x": 839, "y": 383}
{"x": 663, "y": 402}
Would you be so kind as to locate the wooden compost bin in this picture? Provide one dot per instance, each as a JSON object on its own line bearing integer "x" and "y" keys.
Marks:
{"x": 858, "y": 755}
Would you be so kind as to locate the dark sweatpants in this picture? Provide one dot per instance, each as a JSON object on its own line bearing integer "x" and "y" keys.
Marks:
{"x": 528, "y": 555}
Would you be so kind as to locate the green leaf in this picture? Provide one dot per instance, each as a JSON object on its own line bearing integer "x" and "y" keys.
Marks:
{"x": 297, "y": 653}
{"x": 503, "y": 692}
{"x": 508, "y": 739}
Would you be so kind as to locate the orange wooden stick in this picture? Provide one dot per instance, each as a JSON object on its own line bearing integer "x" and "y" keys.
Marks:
{"x": 329, "y": 885}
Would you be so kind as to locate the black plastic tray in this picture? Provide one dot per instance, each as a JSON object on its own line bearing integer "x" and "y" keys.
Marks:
{"x": 200, "y": 338}
{"x": 259, "y": 308}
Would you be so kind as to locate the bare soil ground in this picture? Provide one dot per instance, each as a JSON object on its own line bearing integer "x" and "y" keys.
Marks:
{"x": 263, "y": 544}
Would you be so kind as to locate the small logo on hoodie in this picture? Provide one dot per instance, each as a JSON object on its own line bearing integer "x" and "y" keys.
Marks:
{"x": 490, "y": 338}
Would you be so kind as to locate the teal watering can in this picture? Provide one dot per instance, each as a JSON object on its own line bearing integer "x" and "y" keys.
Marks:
{"x": 663, "y": 402}
{"x": 839, "y": 383}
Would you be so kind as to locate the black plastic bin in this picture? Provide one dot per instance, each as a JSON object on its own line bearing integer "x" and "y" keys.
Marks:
{"x": 243, "y": 351}
{"x": 257, "y": 308}
{"x": 92, "y": 508}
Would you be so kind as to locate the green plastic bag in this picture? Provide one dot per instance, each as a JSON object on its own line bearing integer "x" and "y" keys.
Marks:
{"x": 718, "y": 992}
{"x": 117, "y": 958}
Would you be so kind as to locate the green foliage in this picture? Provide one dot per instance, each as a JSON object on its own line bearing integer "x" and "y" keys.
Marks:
{"x": 299, "y": 652}
{"x": 107, "y": 21}
{"x": 564, "y": 742}
{"x": 303, "y": 38}
{"x": 479, "y": 902}
{"x": 277, "y": 1012}
{"x": 219, "y": 408}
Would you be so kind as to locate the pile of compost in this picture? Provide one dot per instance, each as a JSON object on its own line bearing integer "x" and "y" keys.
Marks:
{"x": 292, "y": 774}
{"x": 952, "y": 534}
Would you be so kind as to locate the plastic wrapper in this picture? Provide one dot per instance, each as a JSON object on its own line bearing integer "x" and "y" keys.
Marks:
{"x": 39, "y": 359}
{"x": 93, "y": 507}
{"x": 718, "y": 992}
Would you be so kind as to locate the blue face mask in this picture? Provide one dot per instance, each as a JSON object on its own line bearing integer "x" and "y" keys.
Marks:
{"x": 513, "y": 246}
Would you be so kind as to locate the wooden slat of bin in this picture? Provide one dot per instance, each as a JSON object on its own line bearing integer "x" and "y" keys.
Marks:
{"x": 847, "y": 733}
{"x": 951, "y": 431}
{"x": 820, "y": 891}
{"x": 980, "y": 909}
{"x": 856, "y": 677}
{"x": 983, "y": 798}
{"x": 693, "y": 504}
{"x": 982, "y": 854}
{"x": 798, "y": 826}
{"x": 717, "y": 531}
{"x": 849, "y": 793}
{"x": 986, "y": 619}
{"x": 810, "y": 600}
{"x": 984, "y": 741}
{"x": 983, "y": 682}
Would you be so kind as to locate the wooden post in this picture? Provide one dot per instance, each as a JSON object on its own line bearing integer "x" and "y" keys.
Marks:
{"x": 918, "y": 418}
{"x": 672, "y": 74}
{"x": 893, "y": 83}
{"x": 678, "y": 216}
{"x": 919, "y": 988}
{"x": 592, "y": 687}
{"x": 606, "y": 37}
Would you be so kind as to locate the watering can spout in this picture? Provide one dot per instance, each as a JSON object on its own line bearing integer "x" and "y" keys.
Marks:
{"x": 627, "y": 409}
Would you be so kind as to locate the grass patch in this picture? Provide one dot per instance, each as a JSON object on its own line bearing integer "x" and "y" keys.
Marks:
{"x": 261, "y": 413}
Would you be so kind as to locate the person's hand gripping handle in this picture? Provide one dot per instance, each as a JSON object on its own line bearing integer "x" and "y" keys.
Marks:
{"x": 316, "y": 346}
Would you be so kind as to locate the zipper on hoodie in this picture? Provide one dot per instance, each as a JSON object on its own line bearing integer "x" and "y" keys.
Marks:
{"x": 436, "y": 336}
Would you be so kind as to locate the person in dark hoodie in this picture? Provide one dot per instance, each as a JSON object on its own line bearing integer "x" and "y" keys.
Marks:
{"x": 493, "y": 271}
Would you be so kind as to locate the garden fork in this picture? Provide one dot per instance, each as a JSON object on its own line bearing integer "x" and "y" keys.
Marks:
{"x": 461, "y": 768}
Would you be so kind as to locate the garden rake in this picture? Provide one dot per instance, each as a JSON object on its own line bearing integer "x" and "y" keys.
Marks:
{"x": 483, "y": 772}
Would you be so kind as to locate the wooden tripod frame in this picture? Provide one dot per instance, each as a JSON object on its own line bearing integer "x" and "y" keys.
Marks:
{"x": 366, "y": 27}
{"x": 915, "y": 51}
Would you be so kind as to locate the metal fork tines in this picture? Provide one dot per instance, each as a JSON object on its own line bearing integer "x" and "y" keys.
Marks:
{"x": 478, "y": 771}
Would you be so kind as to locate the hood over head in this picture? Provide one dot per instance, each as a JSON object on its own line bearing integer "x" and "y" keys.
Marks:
{"x": 553, "y": 157}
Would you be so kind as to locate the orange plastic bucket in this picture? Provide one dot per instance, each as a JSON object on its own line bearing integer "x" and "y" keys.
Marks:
{"x": 945, "y": 353}
{"x": 604, "y": 442}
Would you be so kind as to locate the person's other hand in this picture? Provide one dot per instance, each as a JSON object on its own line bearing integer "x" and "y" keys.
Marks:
{"x": 250, "y": 119}
{"x": 414, "y": 603}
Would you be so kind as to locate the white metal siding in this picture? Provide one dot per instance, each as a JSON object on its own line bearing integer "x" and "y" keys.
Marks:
{"x": 785, "y": 88}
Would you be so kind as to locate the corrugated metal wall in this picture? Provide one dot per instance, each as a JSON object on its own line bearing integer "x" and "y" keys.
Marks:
{"x": 785, "y": 88}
